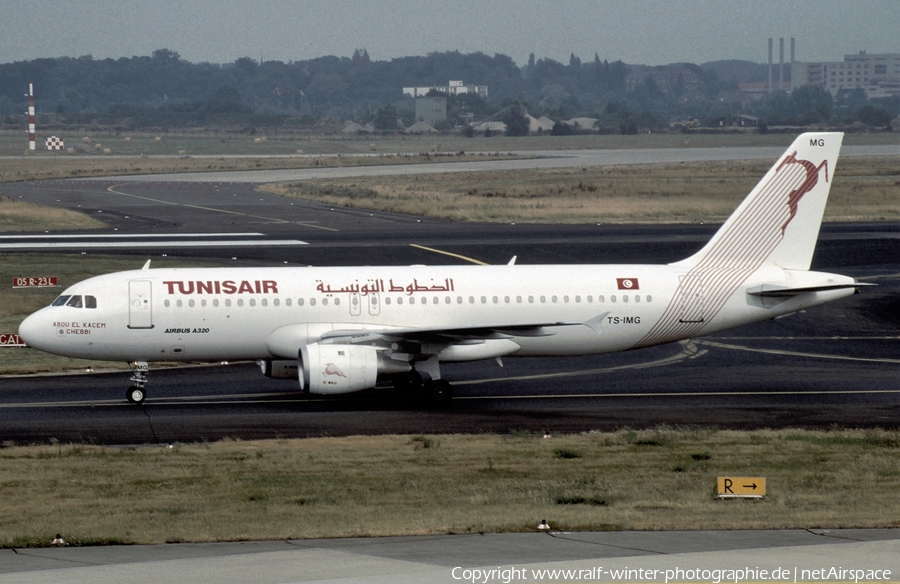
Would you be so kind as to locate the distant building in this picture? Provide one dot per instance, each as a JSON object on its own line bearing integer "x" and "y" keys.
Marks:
{"x": 420, "y": 127}
{"x": 878, "y": 75}
{"x": 582, "y": 123}
{"x": 431, "y": 110}
{"x": 453, "y": 88}
{"x": 355, "y": 128}
{"x": 538, "y": 125}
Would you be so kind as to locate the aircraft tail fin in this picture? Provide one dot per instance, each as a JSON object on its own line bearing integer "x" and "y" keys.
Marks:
{"x": 778, "y": 222}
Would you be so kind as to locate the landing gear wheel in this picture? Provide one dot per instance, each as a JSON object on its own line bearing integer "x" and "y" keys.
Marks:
{"x": 135, "y": 394}
{"x": 440, "y": 392}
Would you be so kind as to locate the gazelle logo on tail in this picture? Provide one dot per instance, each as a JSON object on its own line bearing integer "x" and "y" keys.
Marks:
{"x": 812, "y": 177}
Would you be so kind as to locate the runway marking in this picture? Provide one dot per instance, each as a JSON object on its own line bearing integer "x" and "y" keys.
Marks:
{"x": 798, "y": 353}
{"x": 160, "y": 243}
{"x": 833, "y": 338}
{"x": 213, "y": 209}
{"x": 447, "y": 253}
{"x": 135, "y": 236}
{"x": 684, "y": 394}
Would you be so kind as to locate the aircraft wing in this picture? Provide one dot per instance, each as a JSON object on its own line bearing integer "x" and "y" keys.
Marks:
{"x": 451, "y": 334}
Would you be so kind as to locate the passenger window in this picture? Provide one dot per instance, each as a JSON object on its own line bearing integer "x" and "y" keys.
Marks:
{"x": 75, "y": 302}
{"x": 90, "y": 302}
{"x": 61, "y": 301}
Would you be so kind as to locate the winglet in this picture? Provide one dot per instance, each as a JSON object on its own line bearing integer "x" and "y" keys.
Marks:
{"x": 147, "y": 265}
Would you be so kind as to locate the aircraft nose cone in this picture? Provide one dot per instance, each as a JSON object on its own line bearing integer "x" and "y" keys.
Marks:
{"x": 29, "y": 330}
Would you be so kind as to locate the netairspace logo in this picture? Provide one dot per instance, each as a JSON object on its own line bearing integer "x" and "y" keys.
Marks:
{"x": 717, "y": 576}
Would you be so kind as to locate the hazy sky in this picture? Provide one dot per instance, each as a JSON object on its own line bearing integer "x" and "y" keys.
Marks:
{"x": 652, "y": 32}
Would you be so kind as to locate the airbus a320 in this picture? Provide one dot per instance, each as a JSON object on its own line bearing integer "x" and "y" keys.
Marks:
{"x": 342, "y": 329}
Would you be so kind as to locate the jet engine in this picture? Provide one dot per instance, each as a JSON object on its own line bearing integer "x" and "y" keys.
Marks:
{"x": 331, "y": 369}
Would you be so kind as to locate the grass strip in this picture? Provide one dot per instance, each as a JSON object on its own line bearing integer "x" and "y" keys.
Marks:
{"x": 49, "y": 168}
{"x": 864, "y": 189}
{"x": 660, "y": 479}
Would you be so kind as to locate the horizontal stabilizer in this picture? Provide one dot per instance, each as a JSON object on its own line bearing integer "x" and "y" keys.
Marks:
{"x": 776, "y": 291}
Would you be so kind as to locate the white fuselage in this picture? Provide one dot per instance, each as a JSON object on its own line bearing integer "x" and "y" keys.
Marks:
{"x": 212, "y": 314}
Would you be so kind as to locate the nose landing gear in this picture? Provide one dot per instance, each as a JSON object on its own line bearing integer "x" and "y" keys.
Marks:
{"x": 136, "y": 393}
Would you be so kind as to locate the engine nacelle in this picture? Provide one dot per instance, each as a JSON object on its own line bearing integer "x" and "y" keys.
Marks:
{"x": 330, "y": 369}
{"x": 279, "y": 369}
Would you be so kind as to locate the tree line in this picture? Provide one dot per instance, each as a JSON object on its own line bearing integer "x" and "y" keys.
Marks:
{"x": 165, "y": 91}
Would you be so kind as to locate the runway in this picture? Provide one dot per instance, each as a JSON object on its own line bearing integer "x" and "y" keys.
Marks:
{"x": 834, "y": 365}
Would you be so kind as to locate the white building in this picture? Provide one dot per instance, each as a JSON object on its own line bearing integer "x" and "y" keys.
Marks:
{"x": 453, "y": 88}
{"x": 878, "y": 75}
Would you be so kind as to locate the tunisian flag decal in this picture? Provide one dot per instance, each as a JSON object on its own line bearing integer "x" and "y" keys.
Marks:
{"x": 627, "y": 284}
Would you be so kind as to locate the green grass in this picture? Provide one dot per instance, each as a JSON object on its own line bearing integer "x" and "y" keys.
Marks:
{"x": 402, "y": 485}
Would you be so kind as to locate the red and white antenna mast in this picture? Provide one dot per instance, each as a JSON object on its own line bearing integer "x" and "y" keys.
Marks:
{"x": 31, "y": 145}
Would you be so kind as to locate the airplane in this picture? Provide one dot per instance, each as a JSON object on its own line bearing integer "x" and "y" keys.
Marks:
{"x": 337, "y": 330}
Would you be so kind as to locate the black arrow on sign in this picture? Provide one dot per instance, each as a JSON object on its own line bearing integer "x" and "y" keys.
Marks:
{"x": 753, "y": 486}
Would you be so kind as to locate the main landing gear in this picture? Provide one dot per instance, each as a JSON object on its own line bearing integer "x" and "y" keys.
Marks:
{"x": 136, "y": 393}
{"x": 436, "y": 391}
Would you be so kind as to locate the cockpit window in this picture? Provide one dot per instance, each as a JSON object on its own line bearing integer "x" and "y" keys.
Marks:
{"x": 61, "y": 301}
{"x": 90, "y": 302}
{"x": 75, "y": 302}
